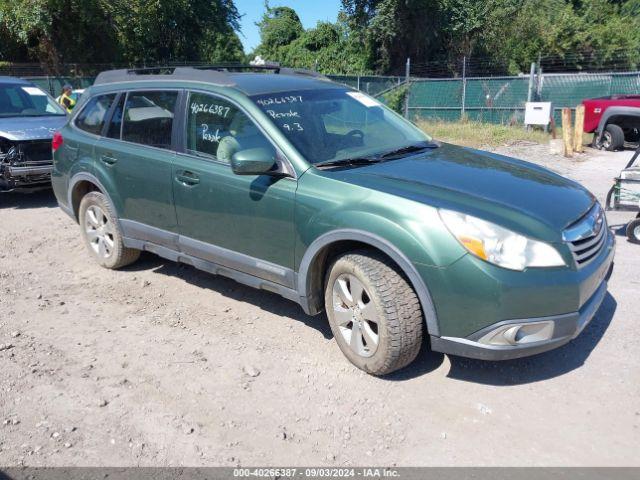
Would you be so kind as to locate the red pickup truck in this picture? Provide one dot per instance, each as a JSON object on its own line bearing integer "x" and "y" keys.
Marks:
{"x": 614, "y": 120}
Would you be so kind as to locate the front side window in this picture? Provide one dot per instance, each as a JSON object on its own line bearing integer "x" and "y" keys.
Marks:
{"x": 218, "y": 129}
{"x": 26, "y": 100}
{"x": 334, "y": 124}
{"x": 148, "y": 118}
{"x": 92, "y": 117}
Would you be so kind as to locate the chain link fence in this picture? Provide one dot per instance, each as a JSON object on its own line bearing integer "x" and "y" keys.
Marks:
{"x": 497, "y": 99}
{"x": 373, "y": 85}
{"x": 503, "y": 99}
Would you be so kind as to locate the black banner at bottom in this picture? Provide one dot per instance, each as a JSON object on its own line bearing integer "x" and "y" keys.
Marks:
{"x": 286, "y": 473}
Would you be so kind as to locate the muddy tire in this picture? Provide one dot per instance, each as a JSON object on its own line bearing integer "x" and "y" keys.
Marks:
{"x": 373, "y": 312}
{"x": 633, "y": 231}
{"x": 101, "y": 233}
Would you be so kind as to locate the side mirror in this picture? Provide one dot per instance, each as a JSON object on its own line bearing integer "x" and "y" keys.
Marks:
{"x": 253, "y": 161}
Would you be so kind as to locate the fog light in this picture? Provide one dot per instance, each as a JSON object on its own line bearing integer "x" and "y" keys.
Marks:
{"x": 519, "y": 333}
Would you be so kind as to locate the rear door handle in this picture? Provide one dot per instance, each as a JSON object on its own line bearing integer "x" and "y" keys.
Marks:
{"x": 109, "y": 160}
{"x": 187, "y": 178}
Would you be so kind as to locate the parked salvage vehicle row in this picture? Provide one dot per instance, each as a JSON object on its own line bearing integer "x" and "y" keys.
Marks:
{"x": 28, "y": 118}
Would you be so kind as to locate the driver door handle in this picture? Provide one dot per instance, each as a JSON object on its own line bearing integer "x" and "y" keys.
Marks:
{"x": 187, "y": 178}
{"x": 109, "y": 160}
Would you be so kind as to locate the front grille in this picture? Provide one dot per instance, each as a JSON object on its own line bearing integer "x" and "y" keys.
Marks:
{"x": 36, "y": 151}
{"x": 586, "y": 249}
{"x": 587, "y": 236}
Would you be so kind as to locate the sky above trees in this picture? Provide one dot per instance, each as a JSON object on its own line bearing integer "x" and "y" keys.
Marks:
{"x": 309, "y": 11}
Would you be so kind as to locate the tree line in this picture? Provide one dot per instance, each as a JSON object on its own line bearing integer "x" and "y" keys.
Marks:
{"x": 53, "y": 32}
{"x": 369, "y": 36}
{"x": 378, "y": 36}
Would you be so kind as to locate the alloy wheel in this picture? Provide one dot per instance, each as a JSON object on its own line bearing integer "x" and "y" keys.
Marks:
{"x": 99, "y": 231}
{"x": 355, "y": 314}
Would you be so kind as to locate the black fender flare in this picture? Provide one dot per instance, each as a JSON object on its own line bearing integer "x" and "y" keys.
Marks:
{"x": 304, "y": 278}
{"x": 612, "y": 112}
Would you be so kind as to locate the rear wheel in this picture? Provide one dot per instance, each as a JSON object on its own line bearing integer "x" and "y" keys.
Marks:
{"x": 101, "y": 233}
{"x": 612, "y": 138}
{"x": 373, "y": 312}
{"x": 633, "y": 231}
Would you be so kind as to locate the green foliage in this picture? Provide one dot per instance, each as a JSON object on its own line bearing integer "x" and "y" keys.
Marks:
{"x": 401, "y": 29}
{"x": 177, "y": 30}
{"x": 132, "y": 31}
{"x": 379, "y": 35}
{"x": 369, "y": 36}
{"x": 44, "y": 29}
{"x": 279, "y": 27}
{"x": 396, "y": 98}
{"x": 595, "y": 29}
{"x": 329, "y": 47}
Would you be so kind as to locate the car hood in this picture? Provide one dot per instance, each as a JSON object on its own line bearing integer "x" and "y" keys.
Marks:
{"x": 514, "y": 193}
{"x": 30, "y": 128}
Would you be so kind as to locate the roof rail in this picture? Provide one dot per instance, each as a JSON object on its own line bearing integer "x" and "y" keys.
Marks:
{"x": 303, "y": 71}
{"x": 274, "y": 67}
{"x": 163, "y": 73}
{"x": 217, "y": 74}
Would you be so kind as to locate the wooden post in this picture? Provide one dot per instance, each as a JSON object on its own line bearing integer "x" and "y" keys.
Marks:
{"x": 566, "y": 132}
{"x": 579, "y": 129}
{"x": 552, "y": 126}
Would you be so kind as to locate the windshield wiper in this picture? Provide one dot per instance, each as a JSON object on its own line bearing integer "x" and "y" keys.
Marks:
{"x": 416, "y": 147}
{"x": 347, "y": 161}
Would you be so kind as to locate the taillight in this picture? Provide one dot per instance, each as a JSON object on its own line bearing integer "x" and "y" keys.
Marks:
{"x": 57, "y": 141}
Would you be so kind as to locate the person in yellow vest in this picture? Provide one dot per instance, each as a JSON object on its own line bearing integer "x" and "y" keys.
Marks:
{"x": 65, "y": 98}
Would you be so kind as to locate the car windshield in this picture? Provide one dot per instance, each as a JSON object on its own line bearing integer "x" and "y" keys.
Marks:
{"x": 330, "y": 125}
{"x": 26, "y": 101}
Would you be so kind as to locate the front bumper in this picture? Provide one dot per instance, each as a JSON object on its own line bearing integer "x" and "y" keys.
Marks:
{"x": 565, "y": 328}
{"x": 25, "y": 175}
{"x": 523, "y": 337}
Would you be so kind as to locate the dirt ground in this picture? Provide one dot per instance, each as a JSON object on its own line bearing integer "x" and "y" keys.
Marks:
{"x": 162, "y": 365}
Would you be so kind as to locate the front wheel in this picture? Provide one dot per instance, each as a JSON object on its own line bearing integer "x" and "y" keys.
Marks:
{"x": 374, "y": 314}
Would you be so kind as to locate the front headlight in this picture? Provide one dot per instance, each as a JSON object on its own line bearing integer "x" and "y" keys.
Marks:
{"x": 498, "y": 245}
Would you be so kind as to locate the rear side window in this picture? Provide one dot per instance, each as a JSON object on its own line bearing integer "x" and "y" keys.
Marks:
{"x": 91, "y": 118}
{"x": 115, "y": 125}
{"x": 218, "y": 129}
{"x": 148, "y": 118}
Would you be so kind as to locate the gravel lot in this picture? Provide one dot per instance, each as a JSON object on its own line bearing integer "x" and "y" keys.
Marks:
{"x": 160, "y": 364}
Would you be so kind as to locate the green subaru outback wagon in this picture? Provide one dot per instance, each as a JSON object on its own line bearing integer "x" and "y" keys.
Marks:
{"x": 288, "y": 182}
